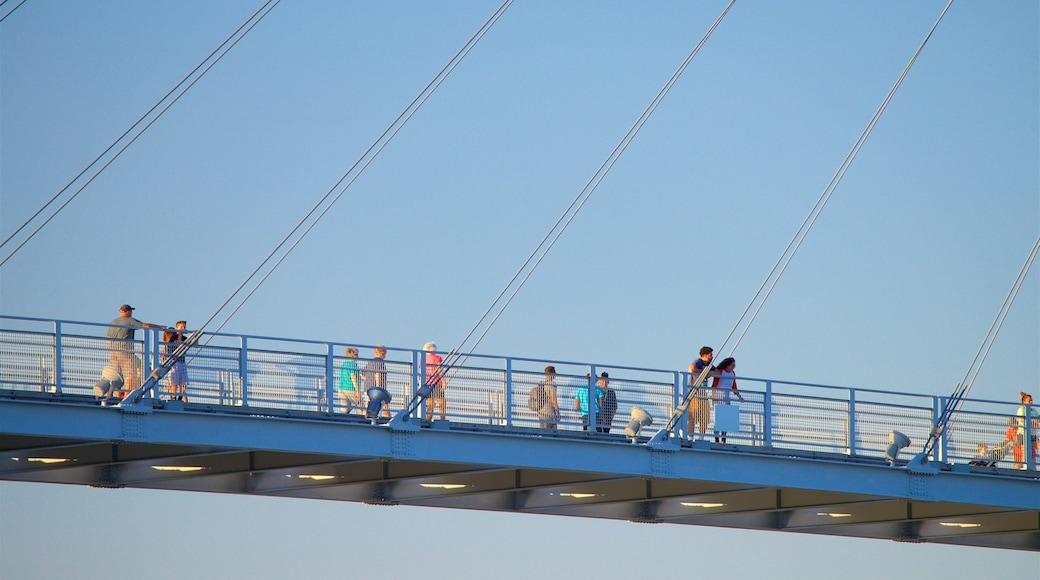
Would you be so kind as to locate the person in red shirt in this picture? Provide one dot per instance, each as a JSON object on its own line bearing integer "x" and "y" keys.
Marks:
{"x": 435, "y": 379}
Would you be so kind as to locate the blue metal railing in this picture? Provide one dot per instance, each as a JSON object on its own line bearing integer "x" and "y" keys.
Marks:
{"x": 65, "y": 359}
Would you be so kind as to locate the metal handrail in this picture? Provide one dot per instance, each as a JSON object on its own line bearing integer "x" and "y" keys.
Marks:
{"x": 234, "y": 370}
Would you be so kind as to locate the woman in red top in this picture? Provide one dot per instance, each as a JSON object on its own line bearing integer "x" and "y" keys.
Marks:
{"x": 725, "y": 385}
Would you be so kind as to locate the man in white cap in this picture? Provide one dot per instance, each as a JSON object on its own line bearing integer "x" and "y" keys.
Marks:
{"x": 435, "y": 380}
{"x": 121, "y": 346}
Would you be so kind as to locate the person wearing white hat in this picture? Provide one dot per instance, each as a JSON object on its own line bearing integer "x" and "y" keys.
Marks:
{"x": 435, "y": 380}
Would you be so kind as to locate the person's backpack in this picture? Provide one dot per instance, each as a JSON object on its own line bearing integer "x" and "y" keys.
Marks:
{"x": 609, "y": 405}
{"x": 536, "y": 398}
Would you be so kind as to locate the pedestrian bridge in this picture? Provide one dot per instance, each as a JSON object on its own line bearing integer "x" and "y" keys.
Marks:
{"x": 262, "y": 418}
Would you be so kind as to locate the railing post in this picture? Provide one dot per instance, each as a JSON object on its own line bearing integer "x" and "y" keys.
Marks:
{"x": 221, "y": 389}
{"x": 591, "y": 388}
{"x": 330, "y": 374}
{"x": 419, "y": 378}
{"x": 938, "y": 404}
{"x": 151, "y": 336}
{"x": 1028, "y": 444}
{"x": 243, "y": 370}
{"x": 57, "y": 356}
{"x": 851, "y": 435}
{"x": 150, "y": 357}
{"x": 509, "y": 392}
{"x": 677, "y": 397}
{"x": 767, "y": 416}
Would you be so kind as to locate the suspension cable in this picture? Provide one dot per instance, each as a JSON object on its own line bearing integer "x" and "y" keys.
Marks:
{"x": 960, "y": 392}
{"x": 223, "y": 48}
{"x": 778, "y": 269}
{"x": 359, "y": 165}
{"x": 810, "y": 219}
{"x": 11, "y": 11}
{"x": 565, "y": 219}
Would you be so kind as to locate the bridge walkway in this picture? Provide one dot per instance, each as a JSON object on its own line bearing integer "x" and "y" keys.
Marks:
{"x": 262, "y": 417}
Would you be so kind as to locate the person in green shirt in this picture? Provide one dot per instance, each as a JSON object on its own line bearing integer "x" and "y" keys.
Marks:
{"x": 349, "y": 387}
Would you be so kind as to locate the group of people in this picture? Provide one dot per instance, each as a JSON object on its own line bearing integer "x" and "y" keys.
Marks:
{"x": 126, "y": 367}
{"x": 721, "y": 392}
{"x": 543, "y": 400}
{"x": 711, "y": 385}
{"x": 355, "y": 380}
{"x": 1015, "y": 436}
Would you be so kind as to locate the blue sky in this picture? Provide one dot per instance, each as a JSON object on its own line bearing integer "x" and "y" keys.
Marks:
{"x": 894, "y": 288}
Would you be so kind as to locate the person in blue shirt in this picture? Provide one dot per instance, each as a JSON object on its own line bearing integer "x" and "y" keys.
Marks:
{"x": 581, "y": 400}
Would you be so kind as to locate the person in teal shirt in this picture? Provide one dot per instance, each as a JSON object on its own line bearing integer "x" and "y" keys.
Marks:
{"x": 349, "y": 387}
{"x": 581, "y": 400}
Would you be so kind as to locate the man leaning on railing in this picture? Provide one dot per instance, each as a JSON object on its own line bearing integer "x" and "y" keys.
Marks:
{"x": 121, "y": 346}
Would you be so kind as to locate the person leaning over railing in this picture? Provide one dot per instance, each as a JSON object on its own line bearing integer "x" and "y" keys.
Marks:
{"x": 121, "y": 347}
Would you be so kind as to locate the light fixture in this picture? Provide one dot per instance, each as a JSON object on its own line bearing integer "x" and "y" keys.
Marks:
{"x": 896, "y": 441}
{"x": 377, "y": 396}
{"x": 443, "y": 485}
{"x": 178, "y": 468}
{"x": 316, "y": 477}
{"x": 959, "y": 525}
{"x": 640, "y": 419}
{"x": 701, "y": 504}
{"x": 111, "y": 381}
{"x": 834, "y": 514}
{"x": 578, "y": 495}
{"x": 49, "y": 460}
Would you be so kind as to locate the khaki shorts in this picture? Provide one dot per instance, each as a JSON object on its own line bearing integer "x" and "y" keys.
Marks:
{"x": 699, "y": 413}
{"x": 350, "y": 399}
{"x": 128, "y": 365}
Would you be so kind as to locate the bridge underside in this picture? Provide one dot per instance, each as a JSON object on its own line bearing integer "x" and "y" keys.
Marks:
{"x": 452, "y": 466}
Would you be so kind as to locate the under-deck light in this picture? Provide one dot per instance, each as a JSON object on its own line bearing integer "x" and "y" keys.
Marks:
{"x": 701, "y": 504}
{"x": 179, "y": 468}
{"x": 578, "y": 495}
{"x": 49, "y": 460}
{"x": 959, "y": 525}
{"x": 834, "y": 514}
{"x": 443, "y": 485}
{"x": 316, "y": 477}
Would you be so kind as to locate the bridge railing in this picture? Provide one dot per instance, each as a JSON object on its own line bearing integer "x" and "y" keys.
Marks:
{"x": 64, "y": 359}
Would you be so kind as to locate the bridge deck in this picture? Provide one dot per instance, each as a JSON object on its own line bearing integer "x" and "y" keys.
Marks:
{"x": 258, "y": 420}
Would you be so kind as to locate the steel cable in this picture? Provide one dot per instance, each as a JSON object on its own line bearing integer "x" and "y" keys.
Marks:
{"x": 960, "y": 392}
{"x": 244, "y": 29}
{"x": 10, "y": 12}
{"x": 460, "y": 352}
{"x": 803, "y": 230}
{"x": 363, "y": 161}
